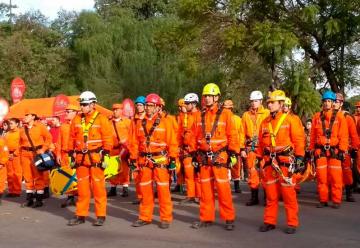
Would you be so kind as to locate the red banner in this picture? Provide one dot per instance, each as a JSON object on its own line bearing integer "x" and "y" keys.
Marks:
{"x": 59, "y": 106}
{"x": 18, "y": 88}
{"x": 4, "y": 108}
{"x": 129, "y": 108}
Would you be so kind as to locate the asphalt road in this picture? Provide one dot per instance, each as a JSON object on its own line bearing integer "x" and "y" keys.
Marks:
{"x": 46, "y": 226}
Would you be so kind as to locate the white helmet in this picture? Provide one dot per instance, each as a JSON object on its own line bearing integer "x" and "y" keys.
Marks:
{"x": 87, "y": 97}
{"x": 256, "y": 95}
{"x": 191, "y": 97}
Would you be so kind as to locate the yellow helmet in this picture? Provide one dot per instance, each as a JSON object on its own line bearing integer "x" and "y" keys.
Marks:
{"x": 288, "y": 101}
{"x": 276, "y": 95}
{"x": 181, "y": 102}
{"x": 228, "y": 104}
{"x": 211, "y": 90}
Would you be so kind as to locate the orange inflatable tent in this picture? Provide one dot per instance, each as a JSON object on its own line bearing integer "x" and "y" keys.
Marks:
{"x": 43, "y": 107}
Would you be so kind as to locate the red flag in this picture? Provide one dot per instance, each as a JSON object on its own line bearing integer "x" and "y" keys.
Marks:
{"x": 4, "y": 108}
{"x": 129, "y": 108}
{"x": 59, "y": 106}
{"x": 18, "y": 88}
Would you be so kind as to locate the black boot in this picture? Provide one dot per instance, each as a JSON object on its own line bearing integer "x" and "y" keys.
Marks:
{"x": 46, "y": 193}
{"x": 112, "y": 192}
{"x": 348, "y": 193}
{"x": 125, "y": 192}
{"x": 38, "y": 203}
{"x": 176, "y": 189}
{"x": 237, "y": 186}
{"x": 29, "y": 200}
{"x": 254, "y": 200}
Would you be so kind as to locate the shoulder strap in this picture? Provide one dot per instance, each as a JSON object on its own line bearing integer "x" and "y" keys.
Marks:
{"x": 29, "y": 138}
{"x": 215, "y": 124}
{"x": 116, "y": 131}
{"x": 274, "y": 132}
{"x": 86, "y": 127}
{"x": 327, "y": 131}
{"x": 152, "y": 129}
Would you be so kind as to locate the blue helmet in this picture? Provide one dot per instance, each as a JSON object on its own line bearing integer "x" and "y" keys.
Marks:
{"x": 140, "y": 99}
{"x": 329, "y": 95}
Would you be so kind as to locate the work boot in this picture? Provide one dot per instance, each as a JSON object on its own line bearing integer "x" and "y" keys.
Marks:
{"x": 336, "y": 205}
{"x": 140, "y": 223}
{"x": 29, "y": 200}
{"x": 187, "y": 200}
{"x": 229, "y": 225}
{"x": 125, "y": 192}
{"x": 322, "y": 204}
{"x": 237, "y": 186}
{"x": 290, "y": 230}
{"x": 176, "y": 189}
{"x": 136, "y": 202}
{"x": 99, "y": 221}
{"x": 112, "y": 192}
{"x": 77, "y": 220}
{"x": 348, "y": 193}
{"x": 266, "y": 227}
{"x": 70, "y": 201}
{"x": 46, "y": 193}
{"x": 164, "y": 224}
{"x": 201, "y": 224}
{"x": 38, "y": 203}
{"x": 254, "y": 200}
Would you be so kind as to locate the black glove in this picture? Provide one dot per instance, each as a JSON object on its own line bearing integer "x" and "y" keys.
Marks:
{"x": 299, "y": 164}
{"x": 341, "y": 156}
{"x": 132, "y": 164}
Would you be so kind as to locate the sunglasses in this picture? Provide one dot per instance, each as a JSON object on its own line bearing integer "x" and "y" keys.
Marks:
{"x": 187, "y": 103}
{"x": 84, "y": 104}
{"x": 149, "y": 105}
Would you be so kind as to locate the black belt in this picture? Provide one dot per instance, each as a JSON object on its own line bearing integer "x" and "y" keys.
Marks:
{"x": 286, "y": 152}
{"x": 84, "y": 151}
{"x": 324, "y": 148}
{"x": 88, "y": 152}
{"x": 31, "y": 149}
{"x": 153, "y": 154}
{"x": 205, "y": 155}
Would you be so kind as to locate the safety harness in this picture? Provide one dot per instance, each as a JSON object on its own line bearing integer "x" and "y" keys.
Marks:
{"x": 327, "y": 150}
{"x": 86, "y": 151}
{"x": 274, "y": 155}
{"x": 151, "y": 161}
{"x": 210, "y": 154}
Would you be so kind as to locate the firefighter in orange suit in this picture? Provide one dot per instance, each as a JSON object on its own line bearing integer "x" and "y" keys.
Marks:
{"x": 13, "y": 166}
{"x": 153, "y": 151}
{"x": 216, "y": 142}
{"x": 121, "y": 131}
{"x": 251, "y": 121}
{"x": 62, "y": 150}
{"x": 4, "y": 156}
{"x": 41, "y": 140}
{"x": 90, "y": 141}
{"x": 282, "y": 146}
{"x": 236, "y": 169}
{"x": 351, "y": 154}
{"x": 329, "y": 141}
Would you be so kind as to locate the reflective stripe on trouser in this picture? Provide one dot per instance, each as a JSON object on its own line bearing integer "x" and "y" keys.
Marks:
{"x": 192, "y": 182}
{"x": 123, "y": 177}
{"x": 236, "y": 170}
{"x": 347, "y": 171}
{"x": 34, "y": 179}
{"x": 136, "y": 177}
{"x": 91, "y": 178}
{"x": 329, "y": 172}
{"x": 254, "y": 178}
{"x": 3, "y": 175}
{"x": 14, "y": 175}
{"x": 210, "y": 175}
{"x": 161, "y": 178}
{"x": 273, "y": 187}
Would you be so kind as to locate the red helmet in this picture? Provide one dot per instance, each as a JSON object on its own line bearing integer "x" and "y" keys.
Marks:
{"x": 153, "y": 98}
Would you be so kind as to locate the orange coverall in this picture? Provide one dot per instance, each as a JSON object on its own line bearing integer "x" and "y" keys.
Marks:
{"x": 121, "y": 149}
{"x": 354, "y": 143}
{"x": 13, "y": 166}
{"x": 328, "y": 167}
{"x": 236, "y": 169}
{"x": 251, "y": 121}
{"x": 41, "y": 138}
{"x": 4, "y": 155}
{"x": 162, "y": 144}
{"x": 89, "y": 173}
{"x": 214, "y": 171}
{"x": 290, "y": 136}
